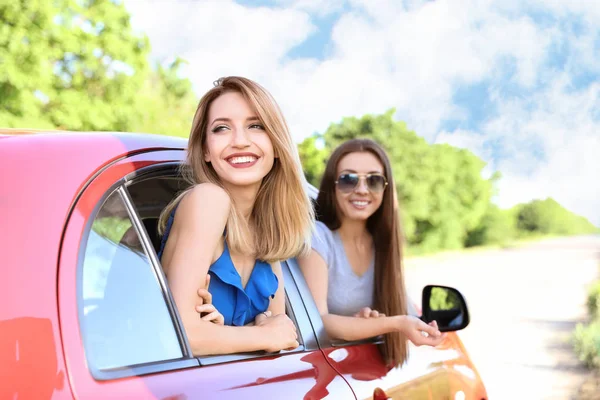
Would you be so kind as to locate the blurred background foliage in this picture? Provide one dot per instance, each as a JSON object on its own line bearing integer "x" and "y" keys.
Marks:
{"x": 446, "y": 202}
{"x": 586, "y": 337}
{"x": 78, "y": 65}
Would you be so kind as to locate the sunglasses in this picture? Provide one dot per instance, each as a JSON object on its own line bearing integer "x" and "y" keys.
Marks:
{"x": 348, "y": 181}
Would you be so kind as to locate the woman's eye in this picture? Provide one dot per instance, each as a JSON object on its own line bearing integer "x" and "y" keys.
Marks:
{"x": 257, "y": 126}
{"x": 219, "y": 128}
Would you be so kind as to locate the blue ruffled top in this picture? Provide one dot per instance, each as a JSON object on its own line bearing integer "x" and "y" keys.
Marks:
{"x": 238, "y": 305}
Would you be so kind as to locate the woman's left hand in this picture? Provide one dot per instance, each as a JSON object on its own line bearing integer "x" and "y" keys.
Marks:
{"x": 367, "y": 312}
{"x": 206, "y": 307}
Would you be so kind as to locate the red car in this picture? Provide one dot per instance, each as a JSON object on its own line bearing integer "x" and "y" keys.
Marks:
{"x": 86, "y": 312}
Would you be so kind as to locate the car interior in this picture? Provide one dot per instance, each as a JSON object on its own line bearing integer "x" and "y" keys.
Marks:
{"x": 150, "y": 196}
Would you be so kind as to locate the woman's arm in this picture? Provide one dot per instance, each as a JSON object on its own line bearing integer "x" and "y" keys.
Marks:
{"x": 198, "y": 227}
{"x": 314, "y": 269}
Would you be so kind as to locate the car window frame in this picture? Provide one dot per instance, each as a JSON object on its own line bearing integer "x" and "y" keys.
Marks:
{"x": 294, "y": 301}
{"x": 186, "y": 361}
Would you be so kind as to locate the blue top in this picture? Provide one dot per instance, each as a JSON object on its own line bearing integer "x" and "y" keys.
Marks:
{"x": 238, "y": 305}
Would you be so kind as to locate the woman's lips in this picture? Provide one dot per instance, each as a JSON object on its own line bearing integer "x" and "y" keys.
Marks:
{"x": 242, "y": 161}
{"x": 360, "y": 204}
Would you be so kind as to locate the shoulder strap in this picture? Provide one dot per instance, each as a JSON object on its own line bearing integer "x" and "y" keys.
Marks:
{"x": 163, "y": 241}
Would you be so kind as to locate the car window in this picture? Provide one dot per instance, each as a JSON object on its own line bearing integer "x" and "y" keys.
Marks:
{"x": 124, "y": 318}
{"x": 150, "y": 195}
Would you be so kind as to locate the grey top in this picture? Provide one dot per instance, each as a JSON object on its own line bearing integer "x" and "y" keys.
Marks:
{"x": 347, "y": 292}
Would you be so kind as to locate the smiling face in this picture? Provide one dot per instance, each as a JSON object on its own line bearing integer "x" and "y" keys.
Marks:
{"x": 237, "y": 145}
{"x": 359, "y": 203}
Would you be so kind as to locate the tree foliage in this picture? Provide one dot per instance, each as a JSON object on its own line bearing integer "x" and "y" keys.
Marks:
{"x": 445, "y": 199}
{"x": 549, "y": 217}
{"x": 440, "y": 187}
{"x": 166, "y": 102}
{"x": 77, "y": 64}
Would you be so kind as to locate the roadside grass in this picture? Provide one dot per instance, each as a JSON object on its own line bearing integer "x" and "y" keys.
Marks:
{"x": 586, "y": 343}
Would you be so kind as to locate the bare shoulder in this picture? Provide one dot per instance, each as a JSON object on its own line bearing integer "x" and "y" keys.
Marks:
{"x": 206, "y": 196}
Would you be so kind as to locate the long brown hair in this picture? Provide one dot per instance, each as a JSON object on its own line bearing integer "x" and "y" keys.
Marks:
{"x": 385, "y": 228}
{"x": 282, "y": 212}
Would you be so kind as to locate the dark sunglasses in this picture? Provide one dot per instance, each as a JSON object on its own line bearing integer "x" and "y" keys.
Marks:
{"x": 348, "y": 181}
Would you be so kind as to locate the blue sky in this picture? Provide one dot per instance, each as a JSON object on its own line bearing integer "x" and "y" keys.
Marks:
{"x": 517, "y": 83}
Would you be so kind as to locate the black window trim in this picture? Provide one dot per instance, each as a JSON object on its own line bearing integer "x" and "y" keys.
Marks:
{"x": 158, "y": 273}
{"x": 310, "y": 308}
{"x": 131, "y": 370}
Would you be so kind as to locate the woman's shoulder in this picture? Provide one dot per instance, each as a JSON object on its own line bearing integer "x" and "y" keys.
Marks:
{"x": 206, "y": 195}
{"x": 322, "y": 240}
{"x": 321, "y": 227}
{"x": 323, "y": 230}
{"x": 209, "y": 190}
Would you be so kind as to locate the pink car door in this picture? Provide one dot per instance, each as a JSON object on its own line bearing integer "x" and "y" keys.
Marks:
{"x": 121, "y": 331}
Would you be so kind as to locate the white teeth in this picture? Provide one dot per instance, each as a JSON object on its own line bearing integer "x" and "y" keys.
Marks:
{"x": 360, "y": 203}
{"x": 241, "y": 160}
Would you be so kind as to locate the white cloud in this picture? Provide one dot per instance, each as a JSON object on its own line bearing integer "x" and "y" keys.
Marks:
{"x": 565, "y": 124}
{"x": 413, "y": 55}
{"x": 220, "y": 37}
{"x": 564, "y": 129}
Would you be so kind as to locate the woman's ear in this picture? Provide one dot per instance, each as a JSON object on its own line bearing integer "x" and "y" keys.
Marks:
{"x": 206, "y": 157}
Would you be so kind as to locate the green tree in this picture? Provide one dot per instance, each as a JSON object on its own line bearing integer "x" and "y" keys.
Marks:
{"x": 440, "y": 188}
{"x": 70, "y": 64}
{"x": 166, "y": 102}
{"x": 313, "y": 158}
{"x": 27, "y": 37}
{"x": 498, "y": 226}
{"x": 549, "y": 217}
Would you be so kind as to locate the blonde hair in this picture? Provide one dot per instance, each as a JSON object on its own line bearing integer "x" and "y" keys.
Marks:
{"x": 282, "y": 214}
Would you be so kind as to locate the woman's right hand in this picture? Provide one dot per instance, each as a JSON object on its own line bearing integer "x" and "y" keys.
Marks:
{"x": 207, "y": 311}
{"x": 419, "y": 332}
{"x": 280, "y": 330}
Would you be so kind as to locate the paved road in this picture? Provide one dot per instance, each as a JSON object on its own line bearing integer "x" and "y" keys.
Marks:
{"x": 524, "y": 304}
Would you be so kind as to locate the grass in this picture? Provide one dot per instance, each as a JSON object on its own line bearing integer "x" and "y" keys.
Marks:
{"x": 586, "y": 344}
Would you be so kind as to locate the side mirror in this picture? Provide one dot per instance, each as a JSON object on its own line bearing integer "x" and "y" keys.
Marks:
{"x": 445, "y": 305}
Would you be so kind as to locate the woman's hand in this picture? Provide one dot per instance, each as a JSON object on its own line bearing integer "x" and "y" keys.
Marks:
{"x": 206, "y": 307}
{"x": 367, "y": 312}
{"x": 280, "y": 330}
{"x": 419, "y": 332}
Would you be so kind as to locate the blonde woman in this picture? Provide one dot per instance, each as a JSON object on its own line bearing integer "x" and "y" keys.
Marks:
{"x": 246, "y": 210}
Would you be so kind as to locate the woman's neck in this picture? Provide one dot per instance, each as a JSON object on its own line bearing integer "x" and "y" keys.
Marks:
{"x": 355, "y": 232}
{"x": 244, "y": 198}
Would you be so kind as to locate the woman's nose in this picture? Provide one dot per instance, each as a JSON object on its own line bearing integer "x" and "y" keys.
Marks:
{"x": 240, "y": 138}
{"x": 362, "y": 187}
